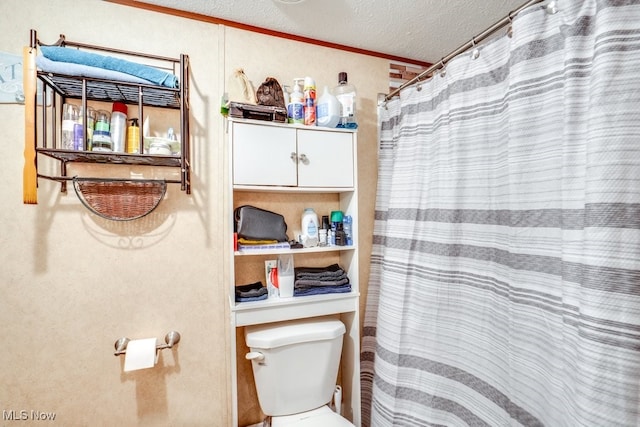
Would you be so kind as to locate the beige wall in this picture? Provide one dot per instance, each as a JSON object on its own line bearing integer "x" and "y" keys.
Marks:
{"x": 71, "y": 284}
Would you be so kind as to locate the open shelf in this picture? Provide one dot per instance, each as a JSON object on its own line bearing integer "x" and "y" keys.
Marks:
{"x": 110, "y": 157}
{"x": 110, "y": 91}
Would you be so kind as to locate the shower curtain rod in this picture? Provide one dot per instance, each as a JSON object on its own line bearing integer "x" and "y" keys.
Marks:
{"x": 474, "y": 40}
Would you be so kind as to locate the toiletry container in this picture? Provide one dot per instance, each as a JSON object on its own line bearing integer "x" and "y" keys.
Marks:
{"x": 118, "y": 126}
{"x": 285, "y": 276}
{"x": 69, "y": 120}
{"x": 309, "y": 228}
{"x": 133, "y": 137}
{"x": 161, "y": 147}
{"x": 347, "y": 226}
{"x": 295, "y": 108}
{"x": 102, "y": 132}
{"x": 336, "y": 218}
{"x": 309, "y": 101}
{"x": 91, "y": 123}
{"x": 346, "y": 94}
{"x": 295, "y": 367}
{"x": 328, "y": 109}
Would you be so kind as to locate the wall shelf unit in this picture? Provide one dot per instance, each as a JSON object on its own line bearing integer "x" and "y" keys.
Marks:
{"x": 86, "y": 91}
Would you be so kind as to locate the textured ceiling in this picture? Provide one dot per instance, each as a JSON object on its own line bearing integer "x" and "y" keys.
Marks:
{"x": 420, "y": 30}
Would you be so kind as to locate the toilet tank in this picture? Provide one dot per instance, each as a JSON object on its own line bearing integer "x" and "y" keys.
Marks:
{"x": 300, "y": 365}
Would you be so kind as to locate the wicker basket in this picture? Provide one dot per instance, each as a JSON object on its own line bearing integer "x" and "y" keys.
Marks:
{"x": 120, "y": 200}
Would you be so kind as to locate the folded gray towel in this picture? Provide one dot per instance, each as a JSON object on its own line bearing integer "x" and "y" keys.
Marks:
{"x": 303, "y": 284}
{"x": 330, "y": 272}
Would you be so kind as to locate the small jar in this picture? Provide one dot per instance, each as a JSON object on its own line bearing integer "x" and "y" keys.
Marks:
{"x": 322, "y": 237}
{"x": 160, "y": 147}
{"x": 101, "y": 139}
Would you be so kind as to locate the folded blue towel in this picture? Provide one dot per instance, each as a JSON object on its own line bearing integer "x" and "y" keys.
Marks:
{"x": 63, "y": 54}
{"x": 71, "y": 69}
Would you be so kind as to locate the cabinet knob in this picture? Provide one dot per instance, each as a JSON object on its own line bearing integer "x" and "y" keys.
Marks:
{"x": 304, "y": 159}
{"x": 294, "y": 156}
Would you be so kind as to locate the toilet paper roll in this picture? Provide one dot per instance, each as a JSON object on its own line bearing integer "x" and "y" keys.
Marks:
{"x": 141, "y": 354}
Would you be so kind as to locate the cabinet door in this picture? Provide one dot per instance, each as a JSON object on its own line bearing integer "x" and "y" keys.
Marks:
{"x": 325, "y": 159}
{"x": 264, "y": 155}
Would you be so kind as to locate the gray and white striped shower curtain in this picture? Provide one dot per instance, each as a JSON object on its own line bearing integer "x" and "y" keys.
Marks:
{"x": 505, "y": 278}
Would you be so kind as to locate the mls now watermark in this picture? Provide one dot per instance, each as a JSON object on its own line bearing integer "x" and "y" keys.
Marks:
{"x": 25, "y": 415}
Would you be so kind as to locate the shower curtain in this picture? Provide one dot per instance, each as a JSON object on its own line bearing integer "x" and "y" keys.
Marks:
{"x": 505, "y": 272}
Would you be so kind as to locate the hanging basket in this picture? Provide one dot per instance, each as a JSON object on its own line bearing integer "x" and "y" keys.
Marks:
{"x": 120, "y": 200}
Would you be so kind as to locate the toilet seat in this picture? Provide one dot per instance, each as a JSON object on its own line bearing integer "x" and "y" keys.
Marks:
{"x": 319, "y": 417}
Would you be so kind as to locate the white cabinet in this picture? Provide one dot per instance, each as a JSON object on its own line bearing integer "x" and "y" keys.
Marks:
{"x": 286, "y": 168}
{"x": 292, "y": 157}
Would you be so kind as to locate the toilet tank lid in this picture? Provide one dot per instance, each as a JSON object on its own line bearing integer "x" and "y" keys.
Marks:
{"x": 293, "y": 332}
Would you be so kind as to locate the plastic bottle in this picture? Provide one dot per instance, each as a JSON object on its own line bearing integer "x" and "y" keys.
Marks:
{"x": 295, "y": 108}
{"x": 286, "y": 92}
{"x": 69, "y": 120}
{"x": 133, "y": 137}
{"x": 309, "y": 228}
{"x": 341, "y": 239}
{"x": 174, "y": 143}
{"x": 328, "y": 110}
{"x": 118, "y": 126}
{"x": 346, "y": 94}
{"x": 309, "y": 101}
{"x": 347, "y": 223}
{"x": 286, "y": 276}
{"x": 102, "y": 133}
{"x": 78, "y": 137}
{"x": 336, "y": 218}
{"x": 78, "y": 143}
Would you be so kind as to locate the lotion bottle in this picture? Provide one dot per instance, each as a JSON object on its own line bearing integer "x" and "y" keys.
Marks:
{"x": 133, "y": 137}
{"x": 309, "y": 228}
{"x": 295, "y": 108}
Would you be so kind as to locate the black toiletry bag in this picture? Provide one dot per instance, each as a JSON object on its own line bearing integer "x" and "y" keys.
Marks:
{"x": 253, "y": 223}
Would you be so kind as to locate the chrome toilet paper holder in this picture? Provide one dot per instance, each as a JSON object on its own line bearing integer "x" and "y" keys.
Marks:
{"x": 172, "y": 338}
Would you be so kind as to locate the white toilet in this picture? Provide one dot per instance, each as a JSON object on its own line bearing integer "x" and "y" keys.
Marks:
{"x": 295, "y": 366}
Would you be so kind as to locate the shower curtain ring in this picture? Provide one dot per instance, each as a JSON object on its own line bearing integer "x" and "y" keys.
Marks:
{"x": 510, "y": 26}
{"x": 475, "y": 53}
{"x": 552, "y": 8}
{"x": 443, "y": 72}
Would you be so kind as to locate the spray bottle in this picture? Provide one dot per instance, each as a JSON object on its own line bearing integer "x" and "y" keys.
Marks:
{"x": 295, "y": 108}
{"x": 309, "y": 101}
